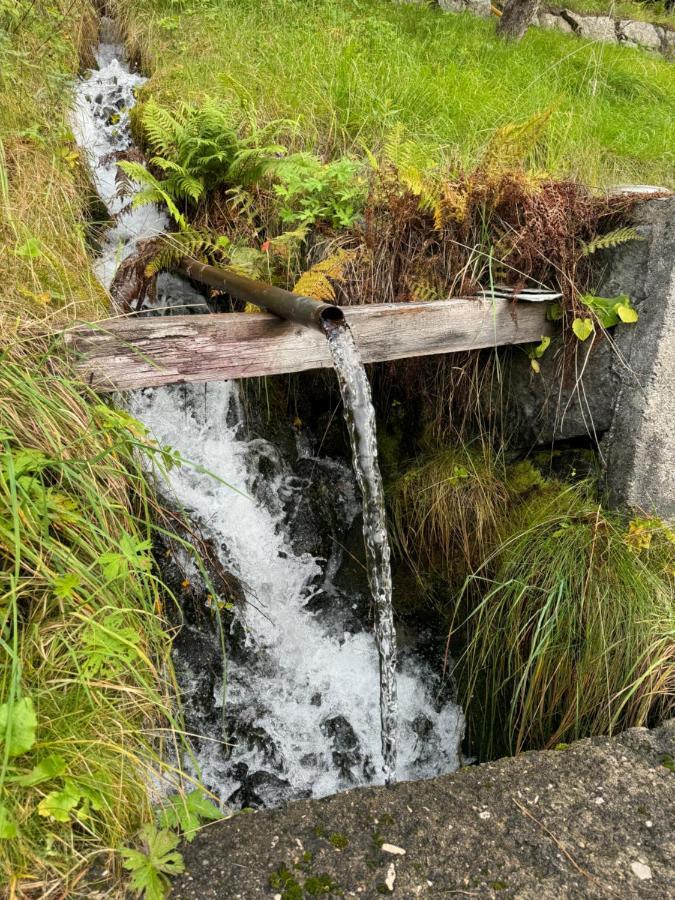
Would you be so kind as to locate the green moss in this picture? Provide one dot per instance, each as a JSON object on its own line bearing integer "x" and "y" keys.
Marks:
{"x": 321, "y": 884}
{"x": 338, "y": 840}
{"x": 668, "y": 762}
{"x": 499, "y": 885}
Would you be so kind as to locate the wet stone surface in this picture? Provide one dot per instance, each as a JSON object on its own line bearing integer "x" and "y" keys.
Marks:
{"x": 596, "y": 819}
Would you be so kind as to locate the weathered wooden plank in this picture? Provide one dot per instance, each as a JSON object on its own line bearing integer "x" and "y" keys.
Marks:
{"x": 129, "y": 353}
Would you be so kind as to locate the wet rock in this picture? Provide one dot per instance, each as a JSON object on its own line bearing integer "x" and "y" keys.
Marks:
{"x": 346, "y": 749}
{"x": 257, "y": 789}
{"x": 529, "y": 827}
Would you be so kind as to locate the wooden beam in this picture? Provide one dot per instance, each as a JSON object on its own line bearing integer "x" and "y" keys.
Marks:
{"x": 133, "y": 352}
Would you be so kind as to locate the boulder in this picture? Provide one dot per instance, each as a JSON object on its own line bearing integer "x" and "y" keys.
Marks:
{"x": 641, "y": 34}
{"x": 481, "y": 8}
{"x": 554, "y": 23}
{"x": 595, "y": 28}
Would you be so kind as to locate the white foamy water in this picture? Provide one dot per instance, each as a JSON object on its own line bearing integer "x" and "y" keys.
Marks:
{"x": 308, "y": 693}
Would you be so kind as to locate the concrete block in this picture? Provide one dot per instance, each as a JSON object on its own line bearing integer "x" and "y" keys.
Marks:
{"x": 620, "y": 390}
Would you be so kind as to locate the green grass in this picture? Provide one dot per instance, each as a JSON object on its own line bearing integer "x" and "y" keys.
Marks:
{"x": 570, "y": 627}
{"x": 343, "y": 75}
{"x": 85, "y": 675}
{"x": 623, "y": 9}
{"x": 565, "y": 625}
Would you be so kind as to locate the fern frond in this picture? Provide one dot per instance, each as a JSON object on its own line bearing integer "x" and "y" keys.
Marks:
{"x": 612, "y": 239}
{"x": 138, "y": 173}
{"x": 174, "y": 247}
{"x": 511, "y": 144}
{"x": 163, "y": 131}
{"x": 316, "y": 282}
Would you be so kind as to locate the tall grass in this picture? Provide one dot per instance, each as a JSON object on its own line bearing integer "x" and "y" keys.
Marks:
{"x": 81, "y": 619}
{"x": 568, "y": 629}
{"x": 341, "y": 76}
{"x": 561, "y": 615}
{"x": 86, "y": 685}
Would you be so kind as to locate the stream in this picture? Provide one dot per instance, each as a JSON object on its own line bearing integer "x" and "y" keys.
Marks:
{"x": 311, "y": 699}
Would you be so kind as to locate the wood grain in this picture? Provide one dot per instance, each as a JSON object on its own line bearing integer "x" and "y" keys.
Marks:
{"x": 129, "y": 353}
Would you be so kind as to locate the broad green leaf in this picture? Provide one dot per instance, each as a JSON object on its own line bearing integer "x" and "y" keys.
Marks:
{"x": 159, "y": 860}
{"x": 536, "y": 368}
{"x": 626, "y": 313}
{"x": 541, "y": 348}
{"x": 28, "y": 460}
{"x": 65, "y": 585}
{"x": 58, "y": 805}
{"x": 31, "y": 249}
{"x": 583, "y": 328}
{"x": 8, "y": 829}
{"x": 186, "y": 813}
{"x": 19, "y": 724}
{"x": 50, "y": 767}
{"x": 554, "y": 312}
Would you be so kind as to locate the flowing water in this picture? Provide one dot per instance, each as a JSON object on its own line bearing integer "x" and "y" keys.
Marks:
{"x": 360, "y": 418}
{"x": 301, "y": 686}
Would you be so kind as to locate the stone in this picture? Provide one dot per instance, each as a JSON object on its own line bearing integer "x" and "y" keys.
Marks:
{"x": 641, "y": 34}
{"x": 595, "y": 28}
{"x": 563, "y": 845}
{"x": 641, "y": 871}
{"x": 554, "y": 23}
{"x": 481, "y": 8}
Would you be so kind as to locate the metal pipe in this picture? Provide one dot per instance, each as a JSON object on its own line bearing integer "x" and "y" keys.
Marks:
{"x": 303, "y": 310}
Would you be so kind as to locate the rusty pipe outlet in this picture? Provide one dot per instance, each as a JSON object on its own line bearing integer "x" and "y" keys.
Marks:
{"x": 303, "y": 310}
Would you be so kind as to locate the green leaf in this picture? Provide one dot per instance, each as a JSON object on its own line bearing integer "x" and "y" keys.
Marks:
{"x": 583, "y": 328}
{"x": 31, "y": 249}
{"x": 541, "y": 348}
{"x": 133, "y": 555}
{"x": 65, "y": 585}
{"x": 59, "y": 804}
{"x": 50, "y": 767}
{"x": 8, "y": 829}
{"x": 151, "y": 867}
{"x": 18, "y": 726}
{"x": 186, "y": 813}
{"x": 555, "y": 312}
{"x": 626, "y": 313}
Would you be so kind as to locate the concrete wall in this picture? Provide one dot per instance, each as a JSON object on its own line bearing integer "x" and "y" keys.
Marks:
{"x": 620, "y": 390}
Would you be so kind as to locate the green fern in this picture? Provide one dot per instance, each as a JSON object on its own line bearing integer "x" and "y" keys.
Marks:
{"x": 197, "y": 149}
{"x": 187, "y": 243}
{"x": 612, "y": 239}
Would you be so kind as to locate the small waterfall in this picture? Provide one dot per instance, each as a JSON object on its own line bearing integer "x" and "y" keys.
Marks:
{"x": 360, "y": 418}
{"x": 300, "y": 693}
